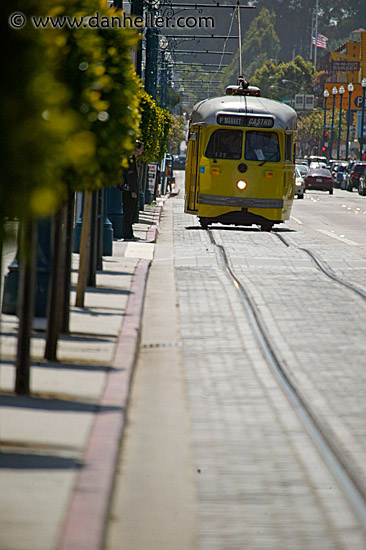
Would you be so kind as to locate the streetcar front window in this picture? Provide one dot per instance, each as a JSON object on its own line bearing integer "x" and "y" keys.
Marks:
{"x": 262, "y": 146}
{"x": 225, "y": 144}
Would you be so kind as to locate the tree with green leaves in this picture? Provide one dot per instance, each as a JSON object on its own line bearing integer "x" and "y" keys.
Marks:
{"x": 285, "y": 79}
{"x": 260, "y": 43}
{"x": 70, "y": 113}
{"x": 177, "y": 133}
{"x": 310, "y": 128}
{"x": 154, "y": 128}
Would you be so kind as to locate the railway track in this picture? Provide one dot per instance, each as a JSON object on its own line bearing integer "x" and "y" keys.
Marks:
{"x": 321, "y": 265}
{"x": 343, "y": 471}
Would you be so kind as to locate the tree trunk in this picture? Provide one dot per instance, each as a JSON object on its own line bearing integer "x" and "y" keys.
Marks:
{"x": 28, "y": 236}
{"x": 54, "y": 295}
{"x": 68, "y": 246}
{"x": 84, "y": 251}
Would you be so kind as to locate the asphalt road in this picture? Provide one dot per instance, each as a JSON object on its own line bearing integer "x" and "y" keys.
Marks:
{"x": 340, "y": 217}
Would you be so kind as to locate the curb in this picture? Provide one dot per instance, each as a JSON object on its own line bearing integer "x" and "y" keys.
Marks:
{"x": 86, "y": 518}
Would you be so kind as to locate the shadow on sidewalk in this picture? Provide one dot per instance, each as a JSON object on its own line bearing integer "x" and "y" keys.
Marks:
{"x": 54, "y": 404}
{"x": 35, "y": 461}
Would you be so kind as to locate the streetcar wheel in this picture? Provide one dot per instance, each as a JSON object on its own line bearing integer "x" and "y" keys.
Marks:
{"x": 266, "y": 226}
{"x": 331, "y": 192}
{"x": 204, "y": 222}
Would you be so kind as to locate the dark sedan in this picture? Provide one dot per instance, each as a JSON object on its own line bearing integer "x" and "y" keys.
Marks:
{"x": 319, "y": 179}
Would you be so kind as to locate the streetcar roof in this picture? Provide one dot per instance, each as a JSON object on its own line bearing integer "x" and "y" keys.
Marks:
{"x": 206, "y": 111}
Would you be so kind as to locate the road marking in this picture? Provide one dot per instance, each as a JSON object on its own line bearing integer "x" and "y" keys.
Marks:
{"x": 339, "y": 238}
{"x": 296, "y": 220}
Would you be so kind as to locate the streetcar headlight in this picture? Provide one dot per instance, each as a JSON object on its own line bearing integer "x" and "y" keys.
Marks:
{"x": 241, "y": 185}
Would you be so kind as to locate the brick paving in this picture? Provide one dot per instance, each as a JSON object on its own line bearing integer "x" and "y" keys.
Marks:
{"x": 261, "y": 485}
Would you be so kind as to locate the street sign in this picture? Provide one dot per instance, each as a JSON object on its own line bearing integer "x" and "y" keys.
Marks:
{"x": 344, "y": 66}
{"x": 358, "y": 101}
{"x": 299, "y": 101}
{"x": 309, "y": 102}
{"x": 152, "y": 171}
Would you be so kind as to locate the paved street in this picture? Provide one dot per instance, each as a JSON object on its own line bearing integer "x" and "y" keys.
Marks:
{"x": 213, "y": 456}
{"x": 258, "y": 480}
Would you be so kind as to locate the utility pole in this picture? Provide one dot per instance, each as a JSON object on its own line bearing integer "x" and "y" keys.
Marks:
{"x": 316, "y": 33}
{"x": 137, "y": 8}
{"x": 151, "y": 69}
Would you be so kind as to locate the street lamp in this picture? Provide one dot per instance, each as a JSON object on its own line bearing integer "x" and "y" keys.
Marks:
{"x": 285, "y": 80}
{"x": 350, "y": 88}
{"x": 341, "y": 91}
{"x": 363, "y": 84}
{"x": 325, "y": 95}
{"x": 334, "y": 92}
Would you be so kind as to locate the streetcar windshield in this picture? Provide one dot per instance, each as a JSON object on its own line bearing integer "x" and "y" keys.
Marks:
{"x": 262, "y": 146}
{"x": 225, "y": 144}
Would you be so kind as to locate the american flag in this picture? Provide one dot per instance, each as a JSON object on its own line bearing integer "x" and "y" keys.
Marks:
{"x": 321, "y": 41}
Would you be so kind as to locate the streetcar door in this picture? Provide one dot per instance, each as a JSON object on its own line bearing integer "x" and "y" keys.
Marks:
{"x": 193, "y": 170}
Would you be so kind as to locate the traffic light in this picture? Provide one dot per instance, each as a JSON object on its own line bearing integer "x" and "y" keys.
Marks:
{"x": 325, "y": 142}
{"x": 324, "y": 148}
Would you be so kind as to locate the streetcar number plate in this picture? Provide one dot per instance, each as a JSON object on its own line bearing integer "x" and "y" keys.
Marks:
{"x": 246, "y": 120}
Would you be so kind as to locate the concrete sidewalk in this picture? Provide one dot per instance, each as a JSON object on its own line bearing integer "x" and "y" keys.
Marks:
{"x": 59, "y": 447}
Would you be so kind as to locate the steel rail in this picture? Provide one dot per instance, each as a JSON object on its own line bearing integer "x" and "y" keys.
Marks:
{"x": 323, "y": 268}
{"x": 342, "y": 470}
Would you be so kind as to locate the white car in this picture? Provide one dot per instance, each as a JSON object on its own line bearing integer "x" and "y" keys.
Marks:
{"x": 299, "y": 184}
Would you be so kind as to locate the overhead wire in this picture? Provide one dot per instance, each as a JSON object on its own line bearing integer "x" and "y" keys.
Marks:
{"x": 237, "y": 11}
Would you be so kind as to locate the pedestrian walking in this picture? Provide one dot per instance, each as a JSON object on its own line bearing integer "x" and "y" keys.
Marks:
{"x": 130, "y": 190}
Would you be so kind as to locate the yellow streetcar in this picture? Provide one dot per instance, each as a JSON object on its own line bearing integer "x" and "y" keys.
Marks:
{"x": 240, "y": 159}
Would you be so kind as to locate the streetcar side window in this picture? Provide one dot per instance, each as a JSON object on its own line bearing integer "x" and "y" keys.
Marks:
{"x": 288, "y": 148}
{"x": 225, "y": 144}
{"x": 262, "y": 146}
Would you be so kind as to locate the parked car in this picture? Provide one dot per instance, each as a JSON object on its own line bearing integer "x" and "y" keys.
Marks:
{"x": 299, "y": 184}
{"x": 179, "y": 162}
{"x": 357, "y": 170}
{"x": 362, "y": 185}
{"x": 319, "y": 179}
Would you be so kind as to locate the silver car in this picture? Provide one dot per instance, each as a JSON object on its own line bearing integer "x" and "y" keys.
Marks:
{"x": 299, "y": 184}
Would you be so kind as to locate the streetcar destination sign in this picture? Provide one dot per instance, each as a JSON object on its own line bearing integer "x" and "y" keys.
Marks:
{"x": 249, "y": 121}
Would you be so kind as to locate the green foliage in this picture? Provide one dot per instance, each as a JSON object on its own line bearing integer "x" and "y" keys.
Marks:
{"x": 310, "y": 128}
{"x": 177, "y": 133}
{"x": 104, "y": 87}
{"x": 154, "y": 128}
{"x": 35, "y": 119}
{"x": 270, "y": 78}
{"x": 69, "y": 110}
{"x": 260, "y": 43}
